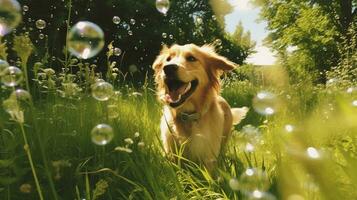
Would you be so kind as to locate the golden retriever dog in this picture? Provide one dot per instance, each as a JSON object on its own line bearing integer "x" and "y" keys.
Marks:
{"x": 188, "y": 84}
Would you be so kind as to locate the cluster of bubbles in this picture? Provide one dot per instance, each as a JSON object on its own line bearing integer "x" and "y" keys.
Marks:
{"x": 85, "y": 39}
{"x": 40, "y": 25}
{"x": 10, "y": 16}
{"x": 102, "y": 134}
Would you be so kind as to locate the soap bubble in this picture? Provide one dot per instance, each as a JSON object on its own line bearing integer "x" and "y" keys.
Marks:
{"x": 133, "y": 69}
{"x": 249, "y": 147}
{"x": 126, "y": 26}
{"x": 21, "y": 95}
{"x": 10, "y": 105}
{"x": 113, "y": 111}
{"x": 25, "y": 188}
{"x": 25, "y": 8}
{"x": 116, "y": 20}
{"x": 3, "y": 66}
{"x": 85, "y": 39}
{"x": 289, "y": 128}
{"x": 102, "y": 134}
{"x": 11, "y": 76}
{"x": 199, "y": 20}
{"x": 254, "y": 179}
{"x": 252, "y": 135}
{"x": 16, "y": 104}
{"x": 10, "y": 16}
{"x": 41, "y": 24}
{"x": 265, "y": 103}
{"x": 234, "y": 184}
{"x": 217, "y": 42}
{"x": 117, "y": 51}
{"x": 354, "y": 103}
{"x": 132, "y": 21}
{"x": 163, "y": 6}
{"x": 41, "y": 36}
{"x": 351, "y": 90}
{"x": 102, "y": 90}
{"x": 313, "y": 153}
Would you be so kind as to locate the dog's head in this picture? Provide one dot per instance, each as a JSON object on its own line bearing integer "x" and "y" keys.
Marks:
{"x": 186, "y": 72}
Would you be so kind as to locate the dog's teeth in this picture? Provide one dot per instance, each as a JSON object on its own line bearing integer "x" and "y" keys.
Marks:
{"x": 188, "y": 87}
{"x": 178, "y": 99}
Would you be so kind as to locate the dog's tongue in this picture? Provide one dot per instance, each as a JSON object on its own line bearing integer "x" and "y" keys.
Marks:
{"x": 175, "y": 95}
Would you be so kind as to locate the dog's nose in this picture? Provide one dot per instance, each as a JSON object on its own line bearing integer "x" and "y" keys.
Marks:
{"x": 170, "y": 70}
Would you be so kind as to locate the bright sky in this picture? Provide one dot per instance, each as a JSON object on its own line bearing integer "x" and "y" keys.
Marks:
{"x": 245, "y": 12}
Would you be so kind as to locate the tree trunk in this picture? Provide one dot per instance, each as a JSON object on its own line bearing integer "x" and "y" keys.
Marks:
{"x": 346, "y": 17}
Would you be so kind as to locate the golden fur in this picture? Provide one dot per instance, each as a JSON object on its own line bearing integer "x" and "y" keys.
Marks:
{"x": 204, "y": 137}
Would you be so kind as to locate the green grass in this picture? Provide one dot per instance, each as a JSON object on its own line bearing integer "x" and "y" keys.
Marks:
{"x": 70, "y": 166}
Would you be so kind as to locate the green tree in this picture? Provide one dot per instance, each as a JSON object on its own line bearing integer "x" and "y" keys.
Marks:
{"x": 314, "y": 27}
{"x": 243, "y": 39}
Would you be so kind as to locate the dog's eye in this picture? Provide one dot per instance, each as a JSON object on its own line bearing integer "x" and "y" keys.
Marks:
{"x": 191, "y": 59}
{"x": 168, "y": 58}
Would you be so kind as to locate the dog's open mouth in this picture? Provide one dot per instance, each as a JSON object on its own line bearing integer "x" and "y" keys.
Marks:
{"x": 179, "y": 91}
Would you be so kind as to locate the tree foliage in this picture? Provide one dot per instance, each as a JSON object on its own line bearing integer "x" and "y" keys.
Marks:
{"x": 243, "y": 39}
{"x": 315, "y": 28}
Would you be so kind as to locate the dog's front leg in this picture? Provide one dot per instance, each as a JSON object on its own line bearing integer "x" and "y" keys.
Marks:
{"x": 168, "y": 139}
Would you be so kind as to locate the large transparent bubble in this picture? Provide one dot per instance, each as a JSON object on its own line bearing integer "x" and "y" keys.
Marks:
{"x": 102, "y": 134}
{"x": 10, "y": 16}
{"x": 85, "y": 39}
{"x": 163, "y": 6}
{"x": 11, "y": 76}
{"x": 102, "y": 90}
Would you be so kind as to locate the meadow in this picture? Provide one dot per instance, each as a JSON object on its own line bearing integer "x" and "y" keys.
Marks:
{"x": 76, "y": 133}
{"x": 306, "y": 150}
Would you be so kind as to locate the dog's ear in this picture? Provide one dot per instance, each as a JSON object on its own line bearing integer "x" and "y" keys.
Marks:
{"x": 158, "y": 61}
{"x": 216, "y": 61}
{"x": 215, "y": 65}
